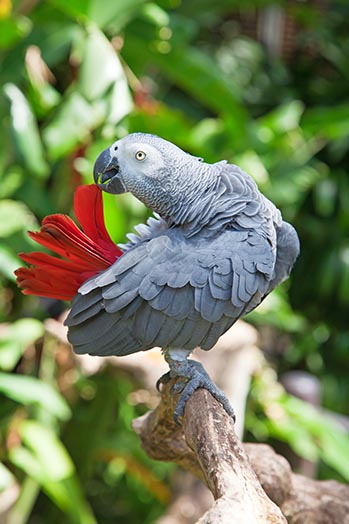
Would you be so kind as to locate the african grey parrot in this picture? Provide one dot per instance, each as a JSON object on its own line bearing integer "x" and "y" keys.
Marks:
{"x": 215, "y": 248}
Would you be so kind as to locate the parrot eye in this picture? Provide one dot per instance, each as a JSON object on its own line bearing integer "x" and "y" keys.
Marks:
{"x": 140, "y": 155}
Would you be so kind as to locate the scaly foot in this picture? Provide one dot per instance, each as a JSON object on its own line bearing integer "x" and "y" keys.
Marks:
{"x": 194, "y": 377}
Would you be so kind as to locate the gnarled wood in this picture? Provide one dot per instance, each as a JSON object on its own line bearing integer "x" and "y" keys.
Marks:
{"x": 265, "y": 492}
{"x": 207, "y": 445}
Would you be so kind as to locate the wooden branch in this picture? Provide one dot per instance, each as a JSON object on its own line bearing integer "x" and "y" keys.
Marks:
{"x": 206, "y": 445}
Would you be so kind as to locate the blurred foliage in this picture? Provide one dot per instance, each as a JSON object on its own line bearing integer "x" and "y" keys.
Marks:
{"x": 75, "y": 75}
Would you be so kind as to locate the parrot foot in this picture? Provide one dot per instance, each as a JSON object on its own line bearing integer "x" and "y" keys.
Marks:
{"x": 164, "y": 379}
{"x": 194, "y": 377}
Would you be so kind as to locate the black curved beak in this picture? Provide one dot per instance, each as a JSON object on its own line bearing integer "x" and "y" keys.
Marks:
{"x": 106, "y": 173}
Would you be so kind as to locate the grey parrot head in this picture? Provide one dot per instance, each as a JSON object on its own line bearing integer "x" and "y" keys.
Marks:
{"x": 151, "y": 168}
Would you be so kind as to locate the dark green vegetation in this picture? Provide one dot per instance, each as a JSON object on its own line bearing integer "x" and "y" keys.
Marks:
{"x": 76, "y": 75}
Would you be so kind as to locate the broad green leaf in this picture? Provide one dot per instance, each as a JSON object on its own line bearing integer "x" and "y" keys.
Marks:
{"x": 115, "y": 14}
{"x": 289, "y": 186}
{"x": 10, "y": 180}
{"x": 75, "y": 8}
{"x": 12, "y": 30}
{"x": 101, "y": 71}
{"x": 43, "y": 96}
{"x": 33, "y": 466}
{"x": 311, "y": 434}
{"x": 26, "y": 133}
{"x": 32, "y": 391}
{"x": 206, "y": 131}
{"x": 334, "y": 444}
{"x": 71, "y": 126}
{"x": 119, "y": 102}
{"x": 155, "y": 14}
{"x": 250, "y": 162}
{"x": 100, "y": 65}
{"x": 18, "y": 337}
{"x": 47, "y": 461}
{"x": 104, "y": 14}
{"x": 283, "y": 119}
{"x": 14, "y": 216}
{"x": 8, "y": 262}
{"x": 164, "y": 121}
{"x": 198, "y": 74}
{"x": 330, "y": 122}
{"x": 54, "y": 460}
{"x": 325, "y": 197}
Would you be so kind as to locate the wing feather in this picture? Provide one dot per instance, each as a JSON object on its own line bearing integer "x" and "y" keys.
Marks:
{"x": 171, "y": 290}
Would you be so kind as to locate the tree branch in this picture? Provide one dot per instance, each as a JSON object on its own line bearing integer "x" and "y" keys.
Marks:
{"x": 207, "y": 445}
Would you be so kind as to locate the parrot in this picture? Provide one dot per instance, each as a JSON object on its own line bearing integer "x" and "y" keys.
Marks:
{"x": 214, "y": 248}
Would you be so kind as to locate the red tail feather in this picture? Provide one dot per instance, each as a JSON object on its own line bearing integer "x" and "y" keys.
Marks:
{"x": 84, "y": 252}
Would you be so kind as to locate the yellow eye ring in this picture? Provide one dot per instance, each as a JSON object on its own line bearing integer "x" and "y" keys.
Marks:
{"x": 140, "y": 155}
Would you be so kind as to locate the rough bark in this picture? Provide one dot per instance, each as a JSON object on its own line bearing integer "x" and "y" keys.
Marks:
{"x": 265, "y": 492}
{"x": 208, "y": 446}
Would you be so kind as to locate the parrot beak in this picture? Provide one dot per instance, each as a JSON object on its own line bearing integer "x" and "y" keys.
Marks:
{"x": 106, "y": 174}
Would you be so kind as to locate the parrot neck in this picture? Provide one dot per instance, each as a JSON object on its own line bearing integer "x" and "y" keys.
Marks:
{"x": 223, "y": 197}
{"x": 187, "y": 202}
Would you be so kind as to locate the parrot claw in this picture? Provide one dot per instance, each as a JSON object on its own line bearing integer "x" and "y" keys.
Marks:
{"x": 164, "y": 379}
{"x": 195, "y": 377}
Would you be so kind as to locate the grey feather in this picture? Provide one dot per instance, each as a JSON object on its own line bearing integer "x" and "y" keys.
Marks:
{"x": 148, "y": 290}
{"x": 216, "y": 250}
{"x": 120, "y": 302}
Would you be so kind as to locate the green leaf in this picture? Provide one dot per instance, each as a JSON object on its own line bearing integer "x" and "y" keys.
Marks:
{"x": 43, "y": 96}
{"x": 283, "y": 119}
{"x": 250, "y": 162}
{"x": 100, "y": 65}
{"x": 109, "y": 13}
{"x": 71, "y": 126}
{"x": 169, "y": 123}
{"x": 17, "y": 338}
{"x": 75, "y": 8}
{"x": 14, "y": 216}
{"x": 198, "y": 74}
{"x": 26, "y": 133}
{"x": 331, "y": 122}
{"x": 334, "y": 444}
{"x": 54, "y": 460}
{"x": 10, "y": 181}
{"x": 101, "y": 71}
{"x": 32, "y": 391}
{"x": 8, "y": 262}
{"x": 289, "y": 185}
{"x": 119, "y": 102}
{"x": 155, "y": 14}
{"x": 12, "y": 30}
{"x": 115, "y": 14}
{"x": 47, "y": 461}
{"x": 311, "y": 434}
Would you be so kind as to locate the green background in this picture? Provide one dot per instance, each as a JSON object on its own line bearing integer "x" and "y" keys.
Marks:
{"x": 76, "y": 75}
